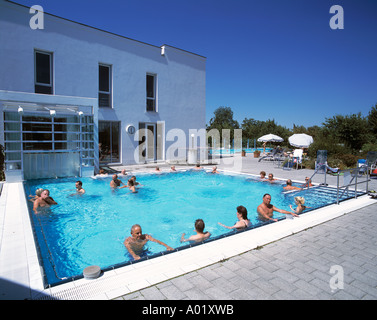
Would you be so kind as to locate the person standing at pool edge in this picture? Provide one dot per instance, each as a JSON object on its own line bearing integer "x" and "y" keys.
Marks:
{"x": 266, "y": 209}
{"x": 135, "y": 243}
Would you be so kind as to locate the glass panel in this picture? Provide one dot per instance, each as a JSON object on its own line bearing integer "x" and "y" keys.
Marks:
{"x": 12, "y": 126}
{"x": 13, "y": 156}
{"x": 43, "y": 89}
{"x": 10, "y": 146}
{"x": 104, "y": 141}
{"x": 37, "y": 127}
{"x": 104, "y": 78}
{"x": 151, "y": 105}
{"x": 37, "y": 146}
{"x": 150, "y": 86}
{"x": 104, "y": 99}
{"x": 10, "y": 136}
{"x": 34, "y": 136}
{"x": 150, "y": 142}
{"x": 115, "y": 142}
{"x": 13, "y": 116}
{"x": 43, "y": 68}
{"x": 39, "y": 118}
{"x": 13, "y": 166}
{"x": 66, "y": 127}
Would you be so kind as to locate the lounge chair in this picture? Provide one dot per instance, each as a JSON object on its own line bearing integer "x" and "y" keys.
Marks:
{"x": 269, "y": 156}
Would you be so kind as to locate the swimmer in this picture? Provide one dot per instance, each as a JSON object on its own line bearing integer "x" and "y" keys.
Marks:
{"x": 262, "y": 175}
{"x": 198, "y": 167}
{"x": 135, "y": 243}
{"x": 214, "y": 170}
{"x": 270, "y": 178}
{"x": 131, "y": 185}
{"x": 243, "y": 221}
{"x": 79, "y": 188}
{"x": 43, "y": 201}
{"x": 290, "y": 187}
{"x": 101, "y": 174}
{"x": 308, "y": 183}
{"x": 266, "y": 210}
{"x": 116, "y": 183}
{"x": 300, "y": 205}
{"x": 123, "y": 173}
{"x": 173, "y": 169}
{"x": 37, "y": 195}
{"x": 200, "y": 234}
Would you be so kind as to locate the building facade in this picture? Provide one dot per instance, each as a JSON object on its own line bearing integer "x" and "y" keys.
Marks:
{"x": 73, "y": 94}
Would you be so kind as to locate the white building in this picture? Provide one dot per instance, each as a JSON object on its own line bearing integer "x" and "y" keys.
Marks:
{"x": 68, "y": 90}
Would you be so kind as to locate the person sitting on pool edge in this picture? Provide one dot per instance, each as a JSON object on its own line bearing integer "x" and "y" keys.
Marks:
{"x": 135, "y": 243}
{"x": 266, "y": 210}
{"x": 200, "y": 234}
{"x": 243, "y": 221}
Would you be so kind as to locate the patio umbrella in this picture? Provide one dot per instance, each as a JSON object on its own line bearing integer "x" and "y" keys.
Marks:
{"x": 300, "y": 140}
{"x": 270, "y": 138}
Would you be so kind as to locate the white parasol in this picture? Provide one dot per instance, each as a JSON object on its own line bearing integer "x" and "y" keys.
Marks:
{"x": 270, "y": 138}
{"x": 300, "y": 140}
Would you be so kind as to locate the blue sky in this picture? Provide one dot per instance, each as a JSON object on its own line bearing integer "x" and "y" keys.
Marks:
{"x": 275, "y": 59}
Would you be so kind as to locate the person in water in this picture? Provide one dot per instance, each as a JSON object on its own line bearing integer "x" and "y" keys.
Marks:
{"x": 117, "y": 183}
{"x": 135, "y": 243}
{"x": 43, "y": 201}
{"x": 300, "y": 201}
{"x": 200, "y": 234}
{"x": 266, "y": 210}
{"x": 243, "y": 221}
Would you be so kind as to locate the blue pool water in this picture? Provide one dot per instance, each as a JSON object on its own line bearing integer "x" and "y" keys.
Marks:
{"x": 90, "y": 229}
{"x": 231, "y": 151}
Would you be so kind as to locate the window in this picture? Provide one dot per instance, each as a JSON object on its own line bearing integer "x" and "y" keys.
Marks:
{"x": 104, "y": 86}
{"x": 151, "y": 92}
{"x": 43, "y": 72}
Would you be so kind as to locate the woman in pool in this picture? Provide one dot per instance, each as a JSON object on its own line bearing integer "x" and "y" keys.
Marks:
{"x": 243, "y": 221}
{"x": 43, "y": 201}
{"x": 300, "y": 205}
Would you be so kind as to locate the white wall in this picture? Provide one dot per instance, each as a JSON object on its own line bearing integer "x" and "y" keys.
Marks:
{"x": 78, "y": 50}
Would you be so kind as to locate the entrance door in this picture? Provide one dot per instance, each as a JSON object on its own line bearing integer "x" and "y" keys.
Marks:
{"x": 151, "y": 142}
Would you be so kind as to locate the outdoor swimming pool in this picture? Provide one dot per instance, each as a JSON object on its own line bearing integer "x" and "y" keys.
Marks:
{"x": 89, "y": 230}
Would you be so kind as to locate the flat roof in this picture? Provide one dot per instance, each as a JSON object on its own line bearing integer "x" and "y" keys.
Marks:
{"x": 109, "y": 32}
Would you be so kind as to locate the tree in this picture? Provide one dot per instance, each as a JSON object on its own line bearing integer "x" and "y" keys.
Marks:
{"x": 223, "y": 119}
{"x": 372, "y": 121}
{"x": 350, "y": 130}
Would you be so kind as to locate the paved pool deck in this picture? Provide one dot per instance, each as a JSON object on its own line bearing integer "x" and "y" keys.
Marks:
{"x": 328, "y": 254}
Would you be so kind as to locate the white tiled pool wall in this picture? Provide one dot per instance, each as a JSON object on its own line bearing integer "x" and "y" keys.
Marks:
{"x": 19, "y": 259}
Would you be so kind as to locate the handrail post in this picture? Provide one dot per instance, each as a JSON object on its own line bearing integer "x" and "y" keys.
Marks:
{"x": 337, "y": 189}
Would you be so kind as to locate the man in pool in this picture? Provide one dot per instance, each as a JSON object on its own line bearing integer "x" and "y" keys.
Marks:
{"x": 200, "y": 234}
{"x": 266, "y": 209}
{"x": 116, "y": 183}
{"x": 135, "y": 243}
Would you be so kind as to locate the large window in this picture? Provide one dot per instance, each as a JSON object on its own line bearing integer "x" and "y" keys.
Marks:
{"x": 108, "y": 141}
{"x": 104, "y": 86}
{"x": 43, "y": 72}
{"x": 151, "y": 92}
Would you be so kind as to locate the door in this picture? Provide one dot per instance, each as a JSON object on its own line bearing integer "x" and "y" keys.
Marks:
{"x": 151, "y": 142}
